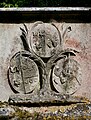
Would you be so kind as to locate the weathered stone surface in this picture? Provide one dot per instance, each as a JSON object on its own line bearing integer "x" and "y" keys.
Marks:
{"x": 23, "y": 74}
{"x": 13, "y": 48}
{"x": 28, "y": 70}
{"x": 44, "y": 39}
{"x": 66, "y": 76}
{"x": 72, "y": 112}
{"x": 60, "y": 55}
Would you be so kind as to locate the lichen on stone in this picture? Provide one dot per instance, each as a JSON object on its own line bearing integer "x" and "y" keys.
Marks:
{"x": 78, "y": 111}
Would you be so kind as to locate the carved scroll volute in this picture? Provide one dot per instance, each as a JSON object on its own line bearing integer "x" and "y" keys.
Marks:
{"x": 23, "y": 74}
{"x": 44, "y": 39}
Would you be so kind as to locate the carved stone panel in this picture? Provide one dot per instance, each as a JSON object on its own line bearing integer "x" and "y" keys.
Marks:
{"x": 44, "y": 39}
{"x": 23, "y": 74}
{"x": 44, "y": 70}
{"x": 66, "y": 76}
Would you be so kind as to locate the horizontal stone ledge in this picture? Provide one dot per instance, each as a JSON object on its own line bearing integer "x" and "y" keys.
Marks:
{"x": 36, "y": 9}
{"x": 46, "y": 14}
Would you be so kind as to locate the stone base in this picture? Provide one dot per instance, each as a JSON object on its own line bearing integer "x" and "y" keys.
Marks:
{"x": 45, "y": 98}
{"x": 78, "y": 111}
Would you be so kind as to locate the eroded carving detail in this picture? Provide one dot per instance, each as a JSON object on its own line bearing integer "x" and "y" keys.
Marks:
{"x": 23, "y": 74}
{"x": 43, "y": 72}
{"x": 44, "y": 39}
{"x": 66, "y": 76}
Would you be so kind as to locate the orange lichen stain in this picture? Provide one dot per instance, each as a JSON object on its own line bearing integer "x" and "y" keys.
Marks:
{"x": 72, "y": 43}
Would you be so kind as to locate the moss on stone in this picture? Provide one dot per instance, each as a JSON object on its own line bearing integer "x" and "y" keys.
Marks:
{"x": 79, "y": 111}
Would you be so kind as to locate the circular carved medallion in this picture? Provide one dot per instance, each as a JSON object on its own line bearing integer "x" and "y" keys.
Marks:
{"x": 45, "y": 39}
{"x": 23, "y": 73}
{"x": 66, "y": 76}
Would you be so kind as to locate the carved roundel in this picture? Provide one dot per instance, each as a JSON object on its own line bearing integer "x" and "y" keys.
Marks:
{"x": 66, "y": 76}
{"x": 45, "y": 38}
{"x": 23, "y": 73}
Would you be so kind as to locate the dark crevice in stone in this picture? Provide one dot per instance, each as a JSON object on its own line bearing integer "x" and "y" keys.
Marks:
{"x": 45, "y": 104}
{"x": 45, "y": 59}
{"x": 51, "y": 83}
